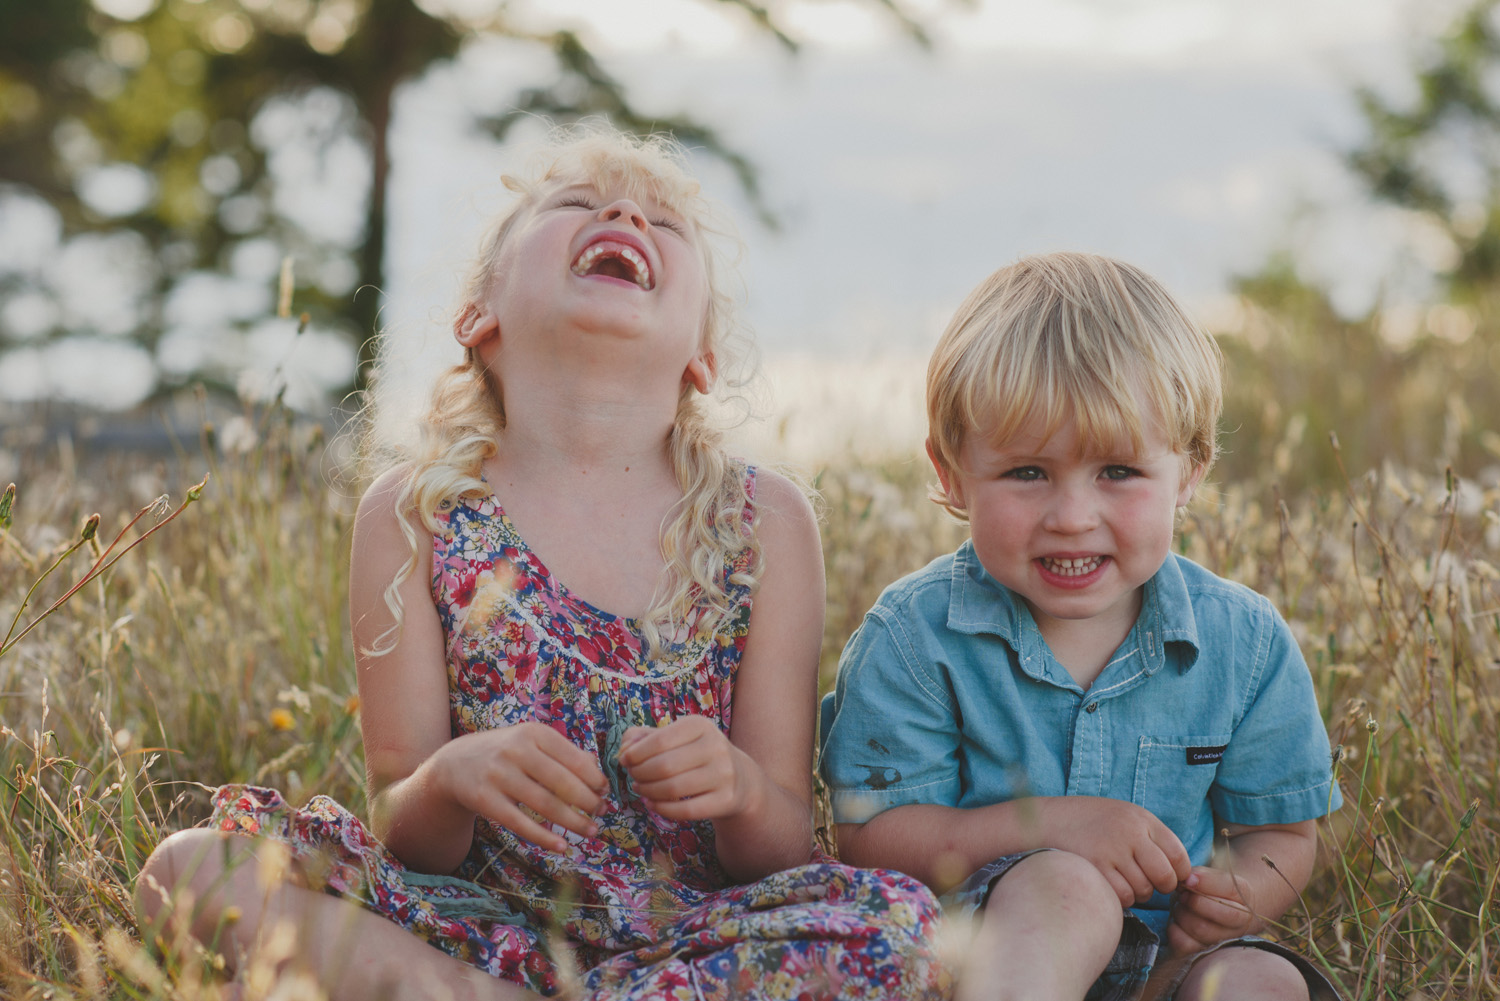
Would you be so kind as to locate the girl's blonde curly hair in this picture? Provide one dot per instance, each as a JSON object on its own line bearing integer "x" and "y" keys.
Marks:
{"x": 710, "y": 524}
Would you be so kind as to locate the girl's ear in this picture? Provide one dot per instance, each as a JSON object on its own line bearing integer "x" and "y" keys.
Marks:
{"x": 701, "y": 372}
{"x": 952, "y": 489}
{"x": 1195, "y": 473}
{"x": 474, "y": 325}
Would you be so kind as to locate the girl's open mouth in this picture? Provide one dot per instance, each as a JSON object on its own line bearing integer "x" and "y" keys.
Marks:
{"x": 614, "y": 259}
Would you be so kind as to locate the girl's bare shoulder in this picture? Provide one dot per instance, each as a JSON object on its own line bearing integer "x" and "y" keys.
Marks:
{"x": 784, "y": 515}
{"x": 381, "y": 495}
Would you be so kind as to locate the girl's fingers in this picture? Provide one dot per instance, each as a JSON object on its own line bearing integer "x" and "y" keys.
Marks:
{"x": 643, "y": 743}
{"x": 565, "y": 784}
{"x": 520, "y": 823}
{"x": 549, "y": 807}
{"x": 572, "y": 757}
{"x": 668, "y": 763}
{"x": 696, "y": 781}
{"x": 705, "y": 807}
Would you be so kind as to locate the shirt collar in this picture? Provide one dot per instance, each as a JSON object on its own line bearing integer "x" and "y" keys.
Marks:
{"x": 978, "y": 603}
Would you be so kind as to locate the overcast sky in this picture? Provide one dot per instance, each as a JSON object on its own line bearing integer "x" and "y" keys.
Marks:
{"x": 1184, "y": 136}
{"x": 1192, "y": 137}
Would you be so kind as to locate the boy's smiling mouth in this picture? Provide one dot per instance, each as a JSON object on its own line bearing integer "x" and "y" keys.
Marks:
{"x": 612, "y": 257}
{"x": 1071, "y": 568}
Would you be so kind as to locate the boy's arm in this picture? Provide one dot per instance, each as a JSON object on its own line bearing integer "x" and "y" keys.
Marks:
{"x": 1241, "y": 893}
{"x": 941, "y": 845}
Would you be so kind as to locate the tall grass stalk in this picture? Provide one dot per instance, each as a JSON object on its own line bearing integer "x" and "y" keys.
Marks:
{"x": 216, "y": 651}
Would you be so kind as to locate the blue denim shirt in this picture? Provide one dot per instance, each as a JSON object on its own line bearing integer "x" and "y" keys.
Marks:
{"x": 948, "y": 694}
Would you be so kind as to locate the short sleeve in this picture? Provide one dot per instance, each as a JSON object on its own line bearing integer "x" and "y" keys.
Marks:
{"x": 1278, "y": 767}
{"x": 894, "y": 738}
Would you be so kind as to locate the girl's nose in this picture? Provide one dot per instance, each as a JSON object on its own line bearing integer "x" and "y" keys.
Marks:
{"x": 624, "y": 210}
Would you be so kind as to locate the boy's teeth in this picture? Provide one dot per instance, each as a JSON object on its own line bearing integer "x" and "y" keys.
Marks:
{"x": 1072, "y": 567}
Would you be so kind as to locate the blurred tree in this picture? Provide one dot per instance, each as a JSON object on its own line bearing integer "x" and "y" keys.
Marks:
{"x": 1435, "y": 150}
{"x": 1410, "y": 383}
{"x": 170, "y": 138}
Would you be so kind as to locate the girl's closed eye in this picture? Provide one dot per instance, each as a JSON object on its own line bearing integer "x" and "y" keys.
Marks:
{"x": 575, "y": 201}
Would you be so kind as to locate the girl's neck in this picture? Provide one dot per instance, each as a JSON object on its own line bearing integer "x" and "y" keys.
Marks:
{"x": 584, "y": 427}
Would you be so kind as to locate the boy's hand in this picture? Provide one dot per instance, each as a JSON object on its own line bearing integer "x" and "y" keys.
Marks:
{"x": 1134, "y": 850}
{"x": 1211, "y": 908}
{"x": 688, "y": 770}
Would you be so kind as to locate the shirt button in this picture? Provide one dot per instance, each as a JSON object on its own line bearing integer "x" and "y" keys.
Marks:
{"x": 1091, "y": 707}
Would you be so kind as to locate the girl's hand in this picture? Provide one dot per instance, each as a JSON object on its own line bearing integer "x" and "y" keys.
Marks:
{"x": 1211, "y": 908}
{"x": 688, "y": 770}
{"x": 494, "y": 772}
{"x": 1134, "y": 850}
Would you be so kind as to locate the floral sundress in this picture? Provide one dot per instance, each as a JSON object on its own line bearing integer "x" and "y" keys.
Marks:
{"x": 643, "y": 909}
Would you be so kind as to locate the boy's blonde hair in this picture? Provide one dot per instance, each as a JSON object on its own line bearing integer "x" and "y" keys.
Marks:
{"x": 1069, "y": 336}
{"x": 466, "y": 412}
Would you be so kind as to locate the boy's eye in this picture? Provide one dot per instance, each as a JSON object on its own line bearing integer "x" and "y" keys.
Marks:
{"x": 1025, "y": 474}
{"x": 1120, "y": 472}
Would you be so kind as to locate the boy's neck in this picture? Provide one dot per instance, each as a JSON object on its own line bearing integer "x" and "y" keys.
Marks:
{"x": 1085, "y": 647}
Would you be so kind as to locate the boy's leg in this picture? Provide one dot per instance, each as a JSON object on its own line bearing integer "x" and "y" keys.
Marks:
{"x": 241, "y": 893}
{"x": 1048, "y": 930}
{"x": 1241, "y": 970}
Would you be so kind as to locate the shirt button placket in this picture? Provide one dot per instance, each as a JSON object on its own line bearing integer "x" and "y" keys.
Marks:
{"x": 1086, "y": 772}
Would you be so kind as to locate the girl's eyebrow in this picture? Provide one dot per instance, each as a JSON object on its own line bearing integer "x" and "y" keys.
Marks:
{"x": 575, "y": 186}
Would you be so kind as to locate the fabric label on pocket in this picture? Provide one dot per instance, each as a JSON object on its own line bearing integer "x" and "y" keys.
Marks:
{"x": 1206, "y": 755}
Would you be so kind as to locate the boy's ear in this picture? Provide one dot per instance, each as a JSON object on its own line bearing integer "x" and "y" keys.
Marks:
{"x": 1195, "y": 473}
{"x": 952, "y": 489}
{"x": 474, "y": 325}
{"x": 701, "y": 372}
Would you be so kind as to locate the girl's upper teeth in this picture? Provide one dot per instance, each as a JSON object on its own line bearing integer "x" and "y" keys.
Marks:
{"x": 632, "y": 257}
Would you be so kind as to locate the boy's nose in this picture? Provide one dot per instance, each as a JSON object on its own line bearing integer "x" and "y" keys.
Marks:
{"x": 1072, "y": 512}
{"x": 624, "y": 210}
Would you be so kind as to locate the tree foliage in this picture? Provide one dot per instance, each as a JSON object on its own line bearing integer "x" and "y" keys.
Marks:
{"x": 1435, "y": 149}
{"x": 174, "y": 127}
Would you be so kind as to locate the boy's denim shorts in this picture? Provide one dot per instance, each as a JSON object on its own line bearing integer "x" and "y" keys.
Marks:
{"x": 1126, "y": 976}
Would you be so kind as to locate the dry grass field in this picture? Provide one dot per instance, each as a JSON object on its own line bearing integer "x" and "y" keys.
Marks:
{"x": 215, "y": 650}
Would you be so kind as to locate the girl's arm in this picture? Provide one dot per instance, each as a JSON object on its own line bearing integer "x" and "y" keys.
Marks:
{"x": 756, "y": 787}
{"x": 942, "y": 845}
{"x": 426, "y": 787}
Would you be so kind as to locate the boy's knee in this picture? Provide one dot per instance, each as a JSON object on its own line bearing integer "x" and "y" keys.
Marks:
{"x": 1235, "y": 972}
{"x": 1063, "y": 883}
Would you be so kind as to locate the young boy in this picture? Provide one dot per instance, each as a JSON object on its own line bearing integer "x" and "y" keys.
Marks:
{"x": 1063, "y": 682}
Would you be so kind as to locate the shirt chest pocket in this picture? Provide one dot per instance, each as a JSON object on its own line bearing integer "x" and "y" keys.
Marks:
{"x": 1172, "y": 779}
